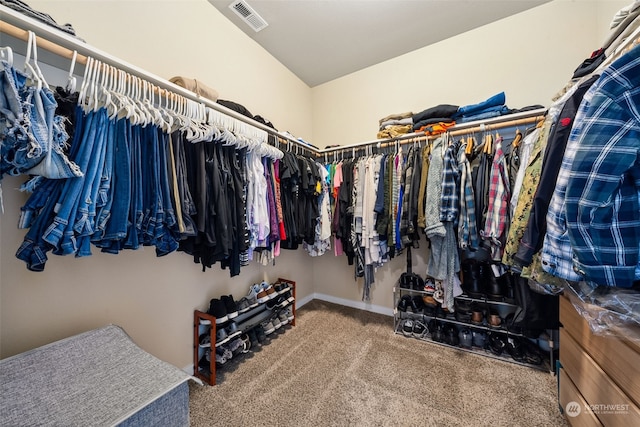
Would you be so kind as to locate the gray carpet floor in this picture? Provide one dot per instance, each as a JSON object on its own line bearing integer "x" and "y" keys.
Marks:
{"x": 344, "y": 367}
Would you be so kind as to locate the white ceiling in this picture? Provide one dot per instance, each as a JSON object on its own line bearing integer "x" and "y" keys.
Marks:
{"x": 320, "y": 40}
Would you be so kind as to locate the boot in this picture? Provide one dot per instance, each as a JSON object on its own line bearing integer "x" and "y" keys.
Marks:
{"x": 495, "y": 285}
{"x": 472, "y": 284}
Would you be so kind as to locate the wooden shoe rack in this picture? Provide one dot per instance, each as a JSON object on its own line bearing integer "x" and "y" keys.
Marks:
{"x": 205, "y": 323}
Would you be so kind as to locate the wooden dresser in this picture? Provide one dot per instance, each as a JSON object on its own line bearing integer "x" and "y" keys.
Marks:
{"x": 599, "y": 377}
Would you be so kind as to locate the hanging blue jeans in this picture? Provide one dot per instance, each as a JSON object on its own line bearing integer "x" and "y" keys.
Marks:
{"x": 61, "y": 232}
{"x": 135, "y": 211}
{"x": 112, "y": 220}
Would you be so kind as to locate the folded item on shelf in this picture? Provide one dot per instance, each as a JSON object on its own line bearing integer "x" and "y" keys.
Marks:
{"x": 396, "y": 122}
{"x": 398, "y": 116}
{"x": 437, "y": 128}
{"x": 393, "y": 131}
{"x": 481, "y": 107}
{"x": 426, "y": 122}
{"x": 446, "y": 111}
{"x": 196, "y": 86}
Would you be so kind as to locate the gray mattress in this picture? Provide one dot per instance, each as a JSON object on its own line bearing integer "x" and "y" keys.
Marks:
{"x": 97, "y": 378}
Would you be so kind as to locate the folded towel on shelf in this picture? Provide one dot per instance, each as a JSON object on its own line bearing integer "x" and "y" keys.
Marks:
{"x": 196, "y": 86}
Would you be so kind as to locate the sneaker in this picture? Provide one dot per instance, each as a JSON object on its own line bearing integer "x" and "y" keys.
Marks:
{"x": 221, "y": 337}
{"x": 261, "y": 294}
{"x": 276, "y": 322}
{"x": 235, "y": 345}
{"x": 217, "y": 309}
{"x": 246, "y": 343}
{"x": 253, "y": 337}
{"x": 404, "y": 303}
{"x": 268, "y": 327}
{"x": 225, "y": 352}
{"x": 204, "y": 322}
{"x": 419, "y": 329}
{"x": 416, "y": 304}
{"x": 407, "y": 328}
{"x": 205, "y": 361}
{"x": 279, "y": 287}
{"x": 284, "y": 319}
{"x": 289, "y": 296}
{"x": 230, "y": 306}
{"x": 271, "y": 292}
{"x": 232, "y": 330}
{"x": 429, "y": 286}
{"x": 204, "y": 340}
{"x": 243, "y": 305}
{"x": 275, "y": 302}
{"x": 220, "y": 359}
{"x": 261, "y": 335}
{"x": 289, "y": 314}
{"x": 252, "y": 297}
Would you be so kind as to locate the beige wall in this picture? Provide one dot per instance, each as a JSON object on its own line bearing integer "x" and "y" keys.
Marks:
{"x": 529, "y": 56}
{"x": 151, "y": 298}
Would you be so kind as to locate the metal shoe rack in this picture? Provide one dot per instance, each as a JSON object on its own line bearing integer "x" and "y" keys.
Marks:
{"x": 205, "y": 323}
{"x": 503, "y": 307}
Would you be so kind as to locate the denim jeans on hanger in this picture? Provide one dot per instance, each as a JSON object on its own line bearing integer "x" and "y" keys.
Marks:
{"x": 33, "y": 250}
{"x": 49, "y": 131}
{"x": 112, "y": 221}
{"x": 61, "y": 232}
{"x": 104, "y": 199}
{"x": 135, "y": 211}
{"x": 13, "y": 126}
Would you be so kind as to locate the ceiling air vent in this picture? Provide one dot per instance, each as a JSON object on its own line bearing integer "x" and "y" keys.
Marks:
{"x": 248, "y": 15}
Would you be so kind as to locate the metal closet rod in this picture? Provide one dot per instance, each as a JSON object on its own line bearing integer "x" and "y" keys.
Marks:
{"x": 508, "y": 120}
{"x": 63, "y": 45}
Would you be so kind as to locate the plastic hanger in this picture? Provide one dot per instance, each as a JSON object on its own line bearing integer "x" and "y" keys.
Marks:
{"x": 71, "y": 80}
{"x": 6, "y": 54}
{"x": 31, "y": 69}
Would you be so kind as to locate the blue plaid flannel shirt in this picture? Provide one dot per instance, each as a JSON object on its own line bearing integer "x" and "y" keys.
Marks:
{"x": 601, "y": 203}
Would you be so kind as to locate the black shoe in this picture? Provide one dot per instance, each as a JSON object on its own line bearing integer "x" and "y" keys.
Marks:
{"x": 497, "y": 344}
{"x": 419, "y": 329}
{"x": 437, "y": 334}
{"x": 404, "y": 302}
{"x": 203, "y": 363}
{"x": 253, "y": 337}
{"x": 230, "y": 306}
{"x": 497, "y": 285}
{"x": 473, "y": 281}
{"x": 260, "y": 334}
{"x": 532, "y": 353}
{"x": 515, "y": 348}
{"x": 466, "y": 338}
{"x": 416, "y": 304}
{"x": 217, "y": 309}
{"x": 407, "y": 327}
{"x": 451, "y": 335}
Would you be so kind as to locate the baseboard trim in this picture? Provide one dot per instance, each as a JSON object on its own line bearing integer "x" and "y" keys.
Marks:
{"x": 361, "y": 305}
{"x": 305, "y": 300}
